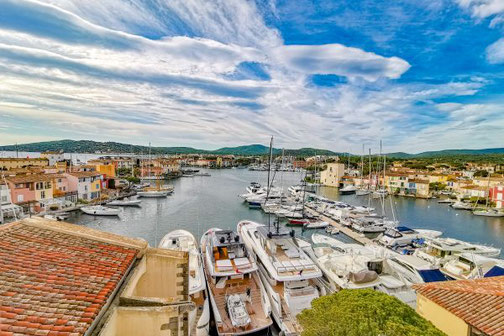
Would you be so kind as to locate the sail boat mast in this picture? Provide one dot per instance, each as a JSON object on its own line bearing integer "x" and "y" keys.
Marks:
{"x": 270, "y": 159}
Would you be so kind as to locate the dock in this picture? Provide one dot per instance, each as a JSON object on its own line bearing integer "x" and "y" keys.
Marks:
{"x": 347, "y": 231}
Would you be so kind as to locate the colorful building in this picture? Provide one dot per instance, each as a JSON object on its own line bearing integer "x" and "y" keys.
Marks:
{"x": 87, "y": 184}
{"x": 53, "y": 157}
{"x": 12, "y": 163}
{"x": 464, "y": 307}
{"x": 497, "y": 196}
{"x": 419, "y": 188}
{"x": 396, "y": 182}
{"x": 34, "y": 188}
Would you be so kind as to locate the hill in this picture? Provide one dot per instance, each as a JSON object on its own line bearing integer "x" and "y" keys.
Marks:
{"x": 447, "y": 152}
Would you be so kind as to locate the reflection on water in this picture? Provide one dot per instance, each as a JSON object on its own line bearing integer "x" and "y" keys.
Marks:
{"x": 200, "y": 203}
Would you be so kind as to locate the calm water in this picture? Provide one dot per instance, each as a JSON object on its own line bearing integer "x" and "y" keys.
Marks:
{"x": 200, "y": 203}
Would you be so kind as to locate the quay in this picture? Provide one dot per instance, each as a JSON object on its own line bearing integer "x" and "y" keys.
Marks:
{"x": 347, "y": 231}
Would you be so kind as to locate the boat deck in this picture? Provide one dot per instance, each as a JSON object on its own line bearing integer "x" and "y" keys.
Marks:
{"x": 258, "y": 318}
{"x": 347, "y": 231}
{"x": 290, "y": 322}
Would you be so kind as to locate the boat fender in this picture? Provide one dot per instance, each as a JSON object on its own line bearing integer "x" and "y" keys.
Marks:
{"x": 270, "y": 235}
{"x": 292, "y": 233}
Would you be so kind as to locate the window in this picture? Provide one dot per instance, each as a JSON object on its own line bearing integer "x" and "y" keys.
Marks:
{"x": 20, "y": 198}
{"x": 42, "y": 194}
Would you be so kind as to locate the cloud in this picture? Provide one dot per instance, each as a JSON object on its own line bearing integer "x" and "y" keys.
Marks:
{"x": 340, "y": 60}
{"x": 483, "y": 8}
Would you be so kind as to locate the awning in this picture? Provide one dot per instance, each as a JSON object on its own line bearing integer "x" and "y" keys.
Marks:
{"x": 432, "y": 275}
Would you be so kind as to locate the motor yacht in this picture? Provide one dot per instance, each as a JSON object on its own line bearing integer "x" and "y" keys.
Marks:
{"x": 239, "y": 300}
{"x": 199, "y": 318}
{"x": 156, "y": 192}
{"x": 100, "y": 210}
{"x": 363, "y": 192}
{"x": 488, "y": 213}
{"x": 459, "y": 205}
{"x": 402, "y": 236}
{"x": 415, "y": 270}
{"x": 440, "y": 250}
{"x": 125, "y": 202}
{"x": 288, "y": 273}
{"x": 472, "y": 266}
{"x": 348, "y": 190}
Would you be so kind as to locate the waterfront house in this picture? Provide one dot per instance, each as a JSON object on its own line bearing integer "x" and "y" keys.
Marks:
{"x": 497, "y": 196}
{"x": 87, "y": 184}
{"x": 464, "y": 307}
{"x": 32, "y": 189}
{"x": 332, "y": 175}
{"x": 68, "y": 280}
{"x": 7, "y": 208}
{"x": 472, "y": 190}
{"x": 396, "y": 182}
{"x": 419, "y": 188}
{"x": 486, "y": 182}
{"x": 438, "y": 178}
{"x": 53, "y": 157}
{"x": 12, "y": 163}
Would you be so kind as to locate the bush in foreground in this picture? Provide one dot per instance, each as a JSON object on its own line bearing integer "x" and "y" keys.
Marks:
{"x": 363, "y": 312}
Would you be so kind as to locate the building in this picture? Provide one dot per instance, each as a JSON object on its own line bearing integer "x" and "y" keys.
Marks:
{"x": 464, "y": 307}
{"x": 497, "y": 196}
{"x": 396, "y": 183}
{"x": 68, "y": 280}
{"x": 33, "y": 189}
{"x": 300, "y": 164}
{"x": 53, "y": 157}
{"x": 472, "y": 190}
{"x": 12, "y": 163}
{"x": 332, "y": 175}
{"x": 419, "y": 188}
{"x": 87, "y": 184}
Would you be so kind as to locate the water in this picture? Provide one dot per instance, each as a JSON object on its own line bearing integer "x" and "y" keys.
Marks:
{"x": 200, "y": 203}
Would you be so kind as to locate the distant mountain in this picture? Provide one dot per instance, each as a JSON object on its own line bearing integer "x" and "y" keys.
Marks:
{"x": 447, "y": 152}
{"x": 88, "y": 146}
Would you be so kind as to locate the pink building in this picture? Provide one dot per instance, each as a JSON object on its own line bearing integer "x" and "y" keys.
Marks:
{"x": 497, "y": 196}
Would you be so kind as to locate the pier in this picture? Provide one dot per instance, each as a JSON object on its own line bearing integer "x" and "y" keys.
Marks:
{"x": 347, "y": 231}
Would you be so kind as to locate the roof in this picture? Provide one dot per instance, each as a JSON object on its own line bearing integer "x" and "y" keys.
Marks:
{"x": 56, "y": 278}
{"x": 480, "y": 302}
{"x": 29, "y": 178}
{"x": 418, "y": 181}
{"x": 23, "y": 159}
{"x": 85, "y": 174}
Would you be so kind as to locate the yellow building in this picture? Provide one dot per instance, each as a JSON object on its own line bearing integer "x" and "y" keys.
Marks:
{"x": 464, "y": 307}
{"x": 333, "y": 174}
{"x": 107, "y": 169}
{"x": 14, "y": 163}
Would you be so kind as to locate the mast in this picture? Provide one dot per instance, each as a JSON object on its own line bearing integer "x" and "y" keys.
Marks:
{"x": 370, "y": 169}
{"x": 362, "y": 168}
{"x": 268, "y": 184}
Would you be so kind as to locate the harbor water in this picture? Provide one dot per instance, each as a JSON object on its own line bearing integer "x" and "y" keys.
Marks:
{"x": 203, "y": 202}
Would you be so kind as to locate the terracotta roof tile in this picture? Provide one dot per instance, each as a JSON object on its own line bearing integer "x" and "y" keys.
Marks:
{"x": 85, "y": 174}
{"x": 479, "y": 302}
{"x": 54, "y": 283}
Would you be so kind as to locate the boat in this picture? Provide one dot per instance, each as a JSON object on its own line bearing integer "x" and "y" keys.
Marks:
{"x": 488, "y": 213}
{"x": 471, "y": 266}
{"x": 199, "y": 318}
{"x": 316, "y": 224}
{"x": 156, "y": 192}
{"x": 202, "y": 174}
{"x": 363, "y": 192}
{"x": 238, "y": 298}
{"x": 100, "y": 210}
{"x": 288, "y": 274}
{"x": 439, "y": 250}
{"x": 125, "y": 202}
{"x": 415, "y": 270}
{"x": 402, "y": 236}
{"x": 459, "y": 205}
{"x": 348, "y": 190}
{"x": 332, "y": 230}
{"x": 253, "y": 188}
{"x": 446, "y": 201}
{"x": 381, "y": 193}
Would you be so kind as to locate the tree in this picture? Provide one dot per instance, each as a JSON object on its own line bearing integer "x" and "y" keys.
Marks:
{"x": 481, "y": 173}
{"x": 363, "y": 312}
{"x": 437, "y": 186}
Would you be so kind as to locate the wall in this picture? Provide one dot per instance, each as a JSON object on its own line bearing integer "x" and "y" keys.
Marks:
{"x": 10, "y": 163}
{"x": 332, "y": 175}
{"x": 441, "y": 318}
{"x": 108, "y": 169}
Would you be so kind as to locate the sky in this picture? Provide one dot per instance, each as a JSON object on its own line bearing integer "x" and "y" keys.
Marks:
{"x": 418, "y": 74}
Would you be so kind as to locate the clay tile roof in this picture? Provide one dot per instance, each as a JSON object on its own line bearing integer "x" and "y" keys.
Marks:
{"x": 29, "y": 178}
{"x": 85, "y": 174}
{"x": 480, "y": 303}
{"x": 55, "y": 282}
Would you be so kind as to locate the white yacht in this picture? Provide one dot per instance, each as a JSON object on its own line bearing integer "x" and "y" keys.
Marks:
{"x": 440, "y": 250}
{"x": 472, "y": 266}
{"x": 415, "y": 270}
{"x": 100, "y": 210}
{"x": 349, "y": 189}
{"x": 459, "y": 205}
{"x": 125, "y": 202}
{"x": 239, "y": 301}
{"x": 199, "y": 319}
{"x": 289, "y": 275}
{"x": 403, "y": 236}
{"x": 488, "y": 213}
{"x": 156, "y": 192}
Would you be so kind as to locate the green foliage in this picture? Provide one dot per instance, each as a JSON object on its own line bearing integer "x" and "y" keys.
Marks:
{"x": 363, "y": 312}
{"x": 481, "y": 173}
{"x": 437, "y": 186}
{"x": 123, "y": 171}
{"x": 132, "y": 179}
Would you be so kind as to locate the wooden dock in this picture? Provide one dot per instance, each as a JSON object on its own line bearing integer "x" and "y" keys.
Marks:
{"x": 347, "y": 231}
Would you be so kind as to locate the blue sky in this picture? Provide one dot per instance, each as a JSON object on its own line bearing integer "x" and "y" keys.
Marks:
{"x": 421, "y": 75}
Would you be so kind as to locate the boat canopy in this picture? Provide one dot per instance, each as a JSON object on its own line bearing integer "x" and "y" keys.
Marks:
{"x": 405, "y": 229}
{"x": 494, "y": 271}
{"x": 281, "y": 233}
{"x": 432, "y": 275}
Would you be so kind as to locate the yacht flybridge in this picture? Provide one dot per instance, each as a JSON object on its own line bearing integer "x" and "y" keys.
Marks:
{"x": 238, "y": 297}
{"x": 288, "y": 274}
{"x": 199, "y": 318}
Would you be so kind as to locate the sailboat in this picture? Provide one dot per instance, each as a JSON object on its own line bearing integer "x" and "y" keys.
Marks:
{"x": 288, "y": 274}
{"x": 199, "y": 318}
{"x": 158, "y": 191}
{"x": 239, "y": 301}
{"x": 365, "y": 191}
